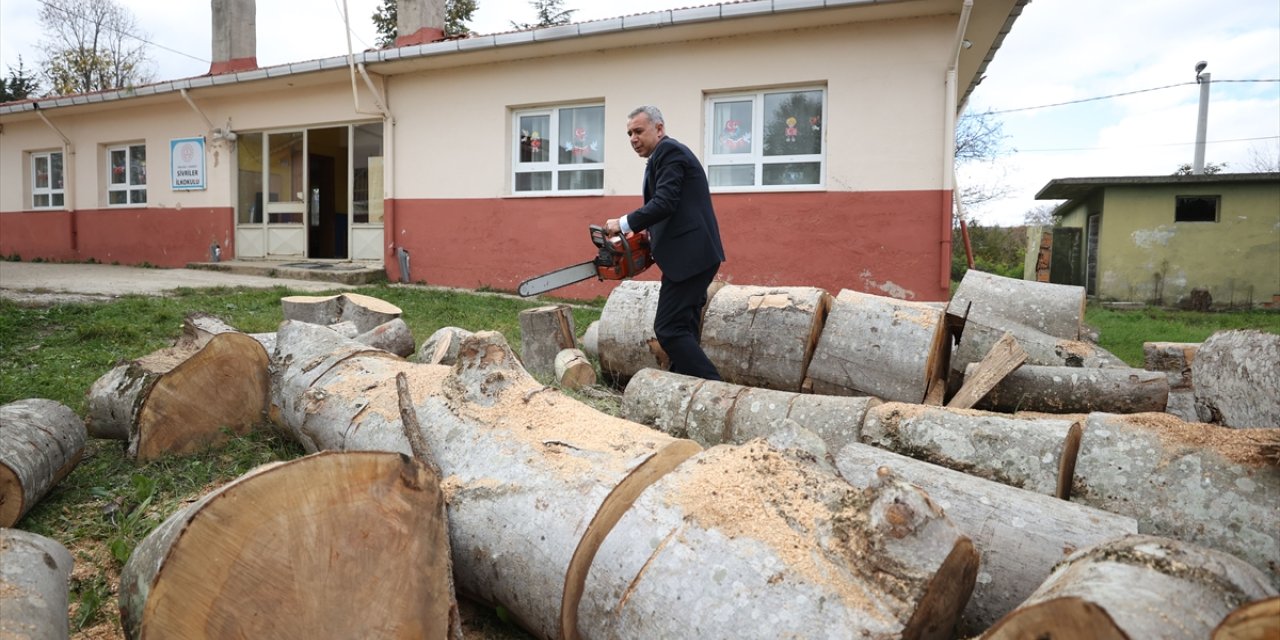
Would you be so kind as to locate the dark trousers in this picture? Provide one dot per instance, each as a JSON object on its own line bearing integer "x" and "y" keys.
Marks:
{"x": 678, "y": 324}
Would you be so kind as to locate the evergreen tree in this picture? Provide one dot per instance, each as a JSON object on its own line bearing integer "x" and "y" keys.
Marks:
{"x": 19, "y": 85}
{"x": 457, "y": 13}
{"x": 550, "y": 13}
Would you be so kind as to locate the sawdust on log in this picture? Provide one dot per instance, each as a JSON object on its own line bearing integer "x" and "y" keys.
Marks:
{"x": 1248, "y": 447}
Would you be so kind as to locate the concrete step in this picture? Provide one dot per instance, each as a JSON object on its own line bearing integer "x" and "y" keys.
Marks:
{"x": 353, "y": 273}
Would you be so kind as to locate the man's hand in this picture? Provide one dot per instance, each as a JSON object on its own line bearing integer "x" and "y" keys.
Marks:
{"x": 612, "y": 227}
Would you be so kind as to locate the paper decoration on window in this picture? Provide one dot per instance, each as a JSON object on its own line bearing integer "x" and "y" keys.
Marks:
{"x": 734, "y": 139}
{"x": 816, "y": 123}
{"x": 791, "y": 129}
{"x": 580, "y": 146}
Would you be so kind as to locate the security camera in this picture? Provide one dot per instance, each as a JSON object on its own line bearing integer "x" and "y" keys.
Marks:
{"x": 1200, "y": 66}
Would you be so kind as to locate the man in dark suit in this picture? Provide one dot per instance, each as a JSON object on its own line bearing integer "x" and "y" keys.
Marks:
{"x": 684, "y": 235}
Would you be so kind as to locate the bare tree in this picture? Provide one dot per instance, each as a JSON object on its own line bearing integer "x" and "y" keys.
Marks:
{"x": 1264, "y": 158}
{"x": 91, "y": 45}
{"x": 980, "y": 138}
{"x": 1039, "y": 215}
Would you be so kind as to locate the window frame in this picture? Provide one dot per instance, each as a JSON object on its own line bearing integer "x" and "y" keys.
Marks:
{"x": 49, "y": 190}
{"x": 552, "y": 165}
{"x": 128, "y": 187}
{"x": 756, "y": 158}
{"x": 1217, "y": 207}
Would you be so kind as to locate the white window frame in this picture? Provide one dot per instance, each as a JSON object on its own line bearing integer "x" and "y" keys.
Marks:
{"x": 756, "y": 157}
{"x": 48, "y": 189}
{"x": 553, "y": 165}
{"x": 128, "y": 186}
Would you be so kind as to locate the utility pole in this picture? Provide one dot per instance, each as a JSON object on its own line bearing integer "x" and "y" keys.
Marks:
{"x": 1202, "y": 122}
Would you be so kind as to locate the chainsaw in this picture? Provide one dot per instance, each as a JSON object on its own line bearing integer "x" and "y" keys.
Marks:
{"x": 620, "y": 257}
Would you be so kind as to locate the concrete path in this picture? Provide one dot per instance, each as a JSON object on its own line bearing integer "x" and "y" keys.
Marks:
{"x": 50, "y": 283}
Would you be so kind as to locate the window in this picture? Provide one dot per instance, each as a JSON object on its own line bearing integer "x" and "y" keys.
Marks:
{"x": 47, "y": 188}
{"x": 127, "y": 175}
{"x": 1196, "y": 209}
{"x": 772, "y": 139}
{"x": 559, "y": 149}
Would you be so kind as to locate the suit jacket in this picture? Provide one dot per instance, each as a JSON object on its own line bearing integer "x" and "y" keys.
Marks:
{"x": 677, "y": 213}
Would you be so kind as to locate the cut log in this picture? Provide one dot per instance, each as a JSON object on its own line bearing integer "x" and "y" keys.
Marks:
{"x": 1172, "y": 358}
{"x": 394, "y": 336}
{"x": 1077, "y": 390}
{"x": 627, "y": 342}
{"x": 573, "y": 370}
{"x": 712, "y": 413}
{"x": 1236, "y": 376}
{"x": 545, "y": 332}
{"x": 442, "y": 347}
{"x": 34, "y": 577}
{"x": 981, "y": 378}
{"x": 590, "y": 342}
{"x": 879, "y": 346}
{"x": 764, "y": 336}
{"x": 1055, "y": 309}
{"x": 41, "y": 441}
{"x": 1020, "y": 535}
{"x": 287, "y": 549}
{"x": 1257, "y": 620}
{"x": 1021, "y": 452}
{"x": 365, "y": 312}
{"x": 1204, "y": 484}
{"x": 1142, "y": 587}
{"x": 1042, "y": 349}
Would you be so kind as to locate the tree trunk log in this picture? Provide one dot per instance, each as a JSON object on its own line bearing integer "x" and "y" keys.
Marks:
{"x": 1042, "y": 349}
{"x": 365, "y": 312}
{"x": 1020, "y": 535}
{"x": 1142, "y": 587}
{"x": 333, "y": 545}
{"x": 573, "y": 370}
{"x": 627, "y": 342}
{"x": 1173, "y": 358}
{"x": 1204, "y": 484}
{"x": 1027, "y": 453}
{"x": 34, "y": 575}
{"x": 764, "y": 336}
{"x": 1055, "y": 309}
{"x": 880, "y": 346}
{"x": 41, "y": 441}
{"x": 1253, "y": 621}
{"x": 1077, "y": 390}
{"x": 591, "y": 340}
{"x": 394, "y": 336}
{"x": 712, "y": 413}
{"x": 1237, "y": 374}
{"x": 544, "y": 333}
{"x": 981, "y": 378}
{"x": 759, "y": 542}
{"x": 442, "y": 347}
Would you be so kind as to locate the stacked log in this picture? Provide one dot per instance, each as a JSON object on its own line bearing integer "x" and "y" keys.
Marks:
{"x": 1136, "y": 587}
{"x": 764, "y": 336}
{"x": 41, "y": 441}
{"x": 879, "y": 346}
{"x": 34, "y": 575}
{"x": 1053, "y": 309}
{"x": 1077, "y": 390}
{"x": 285, "y": 551}
{"x": 626, "y": 340}
{"x": 1174, "y": 360}
{"x": 547, "y": 496}
{"x": 1237, "y": 374}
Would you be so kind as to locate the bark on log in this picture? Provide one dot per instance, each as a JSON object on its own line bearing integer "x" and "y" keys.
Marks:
{"x": 1257, "y": 620}
{"x": 179, "y": 399}
{"x": 442, "y": 347}
{"x": 1022, "y": 452}
{"x": 394, "y": 336}
{"x": 573, "y": 370}
{"x": 879, "y": 346}
{"x": 712, "y": 413}
{"x": 544, "y": 333}
{"x": 627, "y": 342}
{"x": 1204, "y": 484}
{"x": 1020, "y": 535}
{"x": 34, "y": 579}
{"x": 1172, "y": 358}
{"x": 764, "y": 336}
{"x": 979, "y": 337}
{"x": 1142, "y": 586}
{"x": 536, "y": 483}
{"x": 979, "y": 379}
{"x": 41, "y": 441}
{"x": 590, "y": 342}
{"x": 1077, "y": 390}
{"x": 365, "y": 312}
{"x": 1237, "y": 374}
{"x": 287, "y": 549}
{"x": 1055, "y": 309}
{"x": 758, "y": 541}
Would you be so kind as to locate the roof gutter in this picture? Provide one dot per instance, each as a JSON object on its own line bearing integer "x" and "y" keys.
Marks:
{"x": 949, "y": 199}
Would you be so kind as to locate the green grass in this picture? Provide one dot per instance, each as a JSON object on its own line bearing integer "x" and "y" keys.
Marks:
{"x": 1122, "y": 332}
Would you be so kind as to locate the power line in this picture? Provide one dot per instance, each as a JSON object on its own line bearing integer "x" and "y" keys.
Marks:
{"x": 1118, "y": 95}
{"x": 346, "y": 24}
{"x": 1143, "y": 146}
{"x": 124, "y": 33}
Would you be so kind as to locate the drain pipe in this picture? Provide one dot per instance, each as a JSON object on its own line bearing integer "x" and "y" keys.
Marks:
{"x": 949, "y": 147}
{"x": 68, "y": 177}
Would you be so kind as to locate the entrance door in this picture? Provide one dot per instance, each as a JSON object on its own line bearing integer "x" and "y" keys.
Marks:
{"x": 327, "y": 205}
{"x": 270, "y": 190}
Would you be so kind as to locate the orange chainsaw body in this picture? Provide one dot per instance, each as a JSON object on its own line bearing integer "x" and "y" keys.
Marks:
{"x": 621, "y": 256}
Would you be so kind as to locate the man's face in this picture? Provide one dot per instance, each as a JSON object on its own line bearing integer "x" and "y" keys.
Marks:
{"x": 644, "y": 134}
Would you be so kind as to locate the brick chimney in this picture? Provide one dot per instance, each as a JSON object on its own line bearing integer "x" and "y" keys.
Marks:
{"x": 419, "y": 21}
{"x": 235, "y": 36}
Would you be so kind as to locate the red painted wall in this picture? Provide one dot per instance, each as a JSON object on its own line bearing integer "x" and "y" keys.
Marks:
{"x": 886, "y": 242}
{"x": 162, "y": 237}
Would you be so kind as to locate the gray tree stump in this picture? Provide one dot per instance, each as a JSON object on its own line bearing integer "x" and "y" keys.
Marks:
{"x": 41, "y": 441}
{"x": 545, "y": 332}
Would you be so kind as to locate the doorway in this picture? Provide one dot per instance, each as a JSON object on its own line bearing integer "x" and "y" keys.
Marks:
{"x": 327, "y": 214}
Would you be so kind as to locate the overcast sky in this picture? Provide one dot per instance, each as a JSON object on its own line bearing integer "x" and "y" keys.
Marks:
{"x": 1059, "y": 51}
